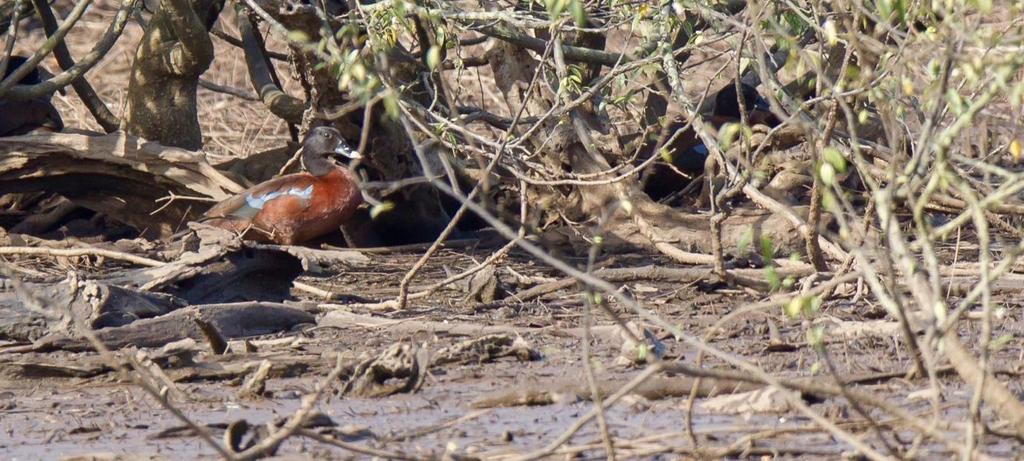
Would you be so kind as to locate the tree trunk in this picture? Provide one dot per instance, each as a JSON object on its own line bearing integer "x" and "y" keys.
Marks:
{"x": 173, "y": 53}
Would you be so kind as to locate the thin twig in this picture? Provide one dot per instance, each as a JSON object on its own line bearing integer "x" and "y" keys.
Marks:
{"x": 72, "y": 252}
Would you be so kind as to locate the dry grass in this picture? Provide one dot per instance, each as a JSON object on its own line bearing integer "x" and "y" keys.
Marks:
{"x": 232, "y": 127}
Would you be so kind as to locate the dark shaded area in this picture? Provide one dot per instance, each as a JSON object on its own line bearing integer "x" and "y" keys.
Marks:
{"x": 244, "y": 275}
{"x": 686, "y": 153}
{"x": 756, "y": 107}
{"x": 21, "y": 117}
{"x": 109, "y": 193}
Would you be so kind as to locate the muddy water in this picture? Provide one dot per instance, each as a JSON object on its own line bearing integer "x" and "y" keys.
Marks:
{"x": 55, "y": 422}
{"x": 55, "y": 418}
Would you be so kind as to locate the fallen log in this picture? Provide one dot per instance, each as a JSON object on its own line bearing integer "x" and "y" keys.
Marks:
{"x": 235, "y": 320}
{"x": 116, "y": 174}
{"x": 221, "y": 270}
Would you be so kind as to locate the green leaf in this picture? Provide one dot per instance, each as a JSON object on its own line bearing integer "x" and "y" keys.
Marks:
{"x": 767, "y": 248}
{"x": 816, "y": 337}
{"x": 381, "y": 208}
{"x": 788, "y": 282}
{"x": 433, "y": 57}
{"x": 796, "y": 306}
{"x": 828, "y": 199}
{"x": 391, "y": 106}
{"x": 827, "y": 174}
{"x": 772, "y": 276}
{"x": 834, "y": 157}
{"x": 441, "y": 36}
{"x": 358, "y": 71}
{"x": 579, "y": 13}
{"x": 956, "y": 102}
{"x": 555, "y": 7}
{"x": 641, "y": 352}
{"x": 892, "y": 10}
{"x": 746, "y": 239}
{"x": 831, "y": 34}
{"x": 795, "y": 23}
{"x": 298, "y": 36}
{"x": 728, "y": 134}
{"x": 1000, "y": 342}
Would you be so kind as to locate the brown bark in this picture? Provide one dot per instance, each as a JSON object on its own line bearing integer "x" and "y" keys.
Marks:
{"x": 173, "y": 53}
{"x": 261, "y": 72}
{"x": 92, "y": 101}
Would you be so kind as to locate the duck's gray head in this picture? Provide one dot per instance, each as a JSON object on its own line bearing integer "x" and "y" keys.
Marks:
{"x": 322, "y": 143}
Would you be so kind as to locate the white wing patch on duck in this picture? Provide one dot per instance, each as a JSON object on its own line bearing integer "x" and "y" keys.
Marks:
{"x": 259, "y": 202}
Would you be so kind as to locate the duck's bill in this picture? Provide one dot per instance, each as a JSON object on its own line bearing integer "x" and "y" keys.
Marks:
{"x": 345, "y": 151}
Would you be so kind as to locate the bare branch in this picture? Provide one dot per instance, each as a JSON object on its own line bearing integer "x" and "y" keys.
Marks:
{"x": 92, "y": 101}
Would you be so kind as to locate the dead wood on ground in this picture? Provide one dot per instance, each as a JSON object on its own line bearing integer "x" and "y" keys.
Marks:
{"x": 122, "y": 176}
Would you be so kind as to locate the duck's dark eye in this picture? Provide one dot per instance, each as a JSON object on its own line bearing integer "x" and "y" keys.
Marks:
{"x": 326, "y": 134}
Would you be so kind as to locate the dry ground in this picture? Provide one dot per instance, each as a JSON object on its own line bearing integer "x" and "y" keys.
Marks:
{"x": 51, "y": 418}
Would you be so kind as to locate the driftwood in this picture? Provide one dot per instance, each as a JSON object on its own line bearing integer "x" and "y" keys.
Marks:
{"x": 95, "y": 304}
{"x": 484, "y": 349}
{"x": 314, "y": 260}
{"x": 119, "y": 175}
{"x": 236, "y": 320}
{"x": 15, "y": 368}
{"x": 399, "y": 368}
{"x": 683, "y": 275}
{"x": 220, "y": 270}
{"x": 215, "y": 266}
{"x": 38, "y": 365}
{"x": 242, "y": 275}
{"x": 570, "y": 390}
{"x": 344, "y": 319}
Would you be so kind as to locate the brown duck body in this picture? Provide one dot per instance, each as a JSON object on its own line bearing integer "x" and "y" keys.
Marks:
{"x": 291, "y": 209}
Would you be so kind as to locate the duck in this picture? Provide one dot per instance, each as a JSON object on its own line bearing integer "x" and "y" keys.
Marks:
{"x": 299, "y": 207}
{"x": 727, "y": 108}
{"x": 36, "y": 114}
{"x": 688, "y": 153}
